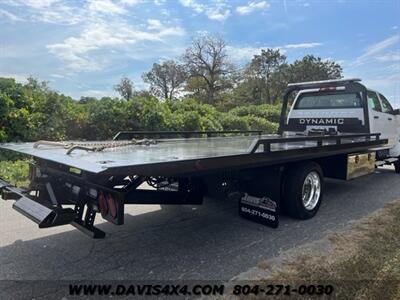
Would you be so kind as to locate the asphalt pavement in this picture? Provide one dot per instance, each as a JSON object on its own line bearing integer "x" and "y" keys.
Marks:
{"x": 205, "y": 242}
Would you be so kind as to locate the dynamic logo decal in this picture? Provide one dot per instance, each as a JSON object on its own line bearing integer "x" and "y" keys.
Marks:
{"x": 264, "y": 202}
{"x": 321, "y": 121}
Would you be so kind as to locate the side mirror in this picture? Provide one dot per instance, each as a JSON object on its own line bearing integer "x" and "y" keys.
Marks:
{"x": 396, "y": 111}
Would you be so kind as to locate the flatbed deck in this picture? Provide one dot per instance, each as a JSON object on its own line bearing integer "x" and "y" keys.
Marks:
{"x": 188, "y": 155}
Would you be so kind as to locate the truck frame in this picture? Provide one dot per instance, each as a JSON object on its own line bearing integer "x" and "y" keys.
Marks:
{"x": 72, "y": 182}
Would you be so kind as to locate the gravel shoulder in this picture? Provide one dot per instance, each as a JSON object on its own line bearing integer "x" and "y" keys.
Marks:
{"x": 361, "y": 261}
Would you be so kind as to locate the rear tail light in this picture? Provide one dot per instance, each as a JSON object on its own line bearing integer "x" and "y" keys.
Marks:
{"x": 103, "y": 204}
{"x": 111, "y": 206}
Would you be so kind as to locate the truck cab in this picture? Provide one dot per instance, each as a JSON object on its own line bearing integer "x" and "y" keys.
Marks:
{"x": 384, "y": 119}
{"x": 345, "y": 106}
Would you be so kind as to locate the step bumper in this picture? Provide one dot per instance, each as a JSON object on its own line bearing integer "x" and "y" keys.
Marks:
{"x": 44, "y": 215}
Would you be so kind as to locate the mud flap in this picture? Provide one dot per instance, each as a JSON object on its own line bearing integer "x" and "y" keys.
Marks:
{"x": 261, "y": 210}
{"x": 260, "y": 200}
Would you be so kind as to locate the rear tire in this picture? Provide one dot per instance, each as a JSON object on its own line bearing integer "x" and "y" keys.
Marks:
{"x": 303, "y": 190}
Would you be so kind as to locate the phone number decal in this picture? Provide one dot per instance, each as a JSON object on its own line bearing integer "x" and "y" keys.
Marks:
{"x": 280, "y": 289}
{"x": 257, "y": 213}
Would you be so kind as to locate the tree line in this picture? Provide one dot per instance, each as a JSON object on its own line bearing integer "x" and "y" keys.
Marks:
{"x": 206, "y": 73}
{"x": 201, "y": 90}
{"x": 33, "y": 111}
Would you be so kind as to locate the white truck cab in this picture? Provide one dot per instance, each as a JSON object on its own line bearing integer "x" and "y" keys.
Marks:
{"x": 347, "y": 108}
{"x": 384, "y": 119}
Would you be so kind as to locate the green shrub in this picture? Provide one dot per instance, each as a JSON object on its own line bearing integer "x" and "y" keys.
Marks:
{"x": 209, "y": 123}
{"x": 191, "y": 121}
{"x": 33, "y": 112}
{"x": 106, "y": 117}
{"x": 232, "y": 122}
{"x": 265, "y": 111}
{"x": 15, "y": 172}
{"x": 256, "y": 123}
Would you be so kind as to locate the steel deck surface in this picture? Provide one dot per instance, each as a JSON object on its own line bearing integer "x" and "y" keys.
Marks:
{"x": 165, "y": 151}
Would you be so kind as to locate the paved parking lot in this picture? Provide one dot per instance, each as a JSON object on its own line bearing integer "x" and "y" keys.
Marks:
{"x": 207, "y": 242}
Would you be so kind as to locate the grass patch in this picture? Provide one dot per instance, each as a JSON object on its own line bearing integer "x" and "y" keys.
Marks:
{"x": 366, "y": 261}
{"x": 362, "y": 262}
{"x": 15, "y": 172}
{"x": 376, "y": 263}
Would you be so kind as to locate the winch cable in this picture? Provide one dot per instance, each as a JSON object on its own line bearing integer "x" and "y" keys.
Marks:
{"x": 94, "y": 146}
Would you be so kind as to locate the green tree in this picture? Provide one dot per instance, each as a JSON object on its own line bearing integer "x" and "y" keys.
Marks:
{"x": 261, "y": 69}
{"x": 165, "y": 79}
{"x": 106, "y": 117}
{"x": 124, "y": 88}
{"x": 15, "y": 109}
{"x": 50, "y": 111}
{"x": 311, "y": 68}
{"x": 207, "y": 63}
{"x": 35, "y": 85}
{"x": 147, "y": 113}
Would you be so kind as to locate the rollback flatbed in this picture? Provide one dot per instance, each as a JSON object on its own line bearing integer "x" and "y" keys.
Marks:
{"x": 72, "y": 182}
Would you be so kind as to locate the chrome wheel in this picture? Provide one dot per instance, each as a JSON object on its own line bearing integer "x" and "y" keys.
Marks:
{"x": 311, "y": 190}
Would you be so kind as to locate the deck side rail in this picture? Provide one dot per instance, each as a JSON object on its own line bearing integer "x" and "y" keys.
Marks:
{"x": 266, "y": 143}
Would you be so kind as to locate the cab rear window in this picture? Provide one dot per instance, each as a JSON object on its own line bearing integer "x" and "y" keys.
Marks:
{"x": 326, "y": 101}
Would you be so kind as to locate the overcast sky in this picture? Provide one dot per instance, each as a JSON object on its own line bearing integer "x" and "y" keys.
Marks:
{"x": 84, "y": 47}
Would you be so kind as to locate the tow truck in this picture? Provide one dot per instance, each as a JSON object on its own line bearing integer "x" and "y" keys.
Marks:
{"x": 334, "y": 129}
